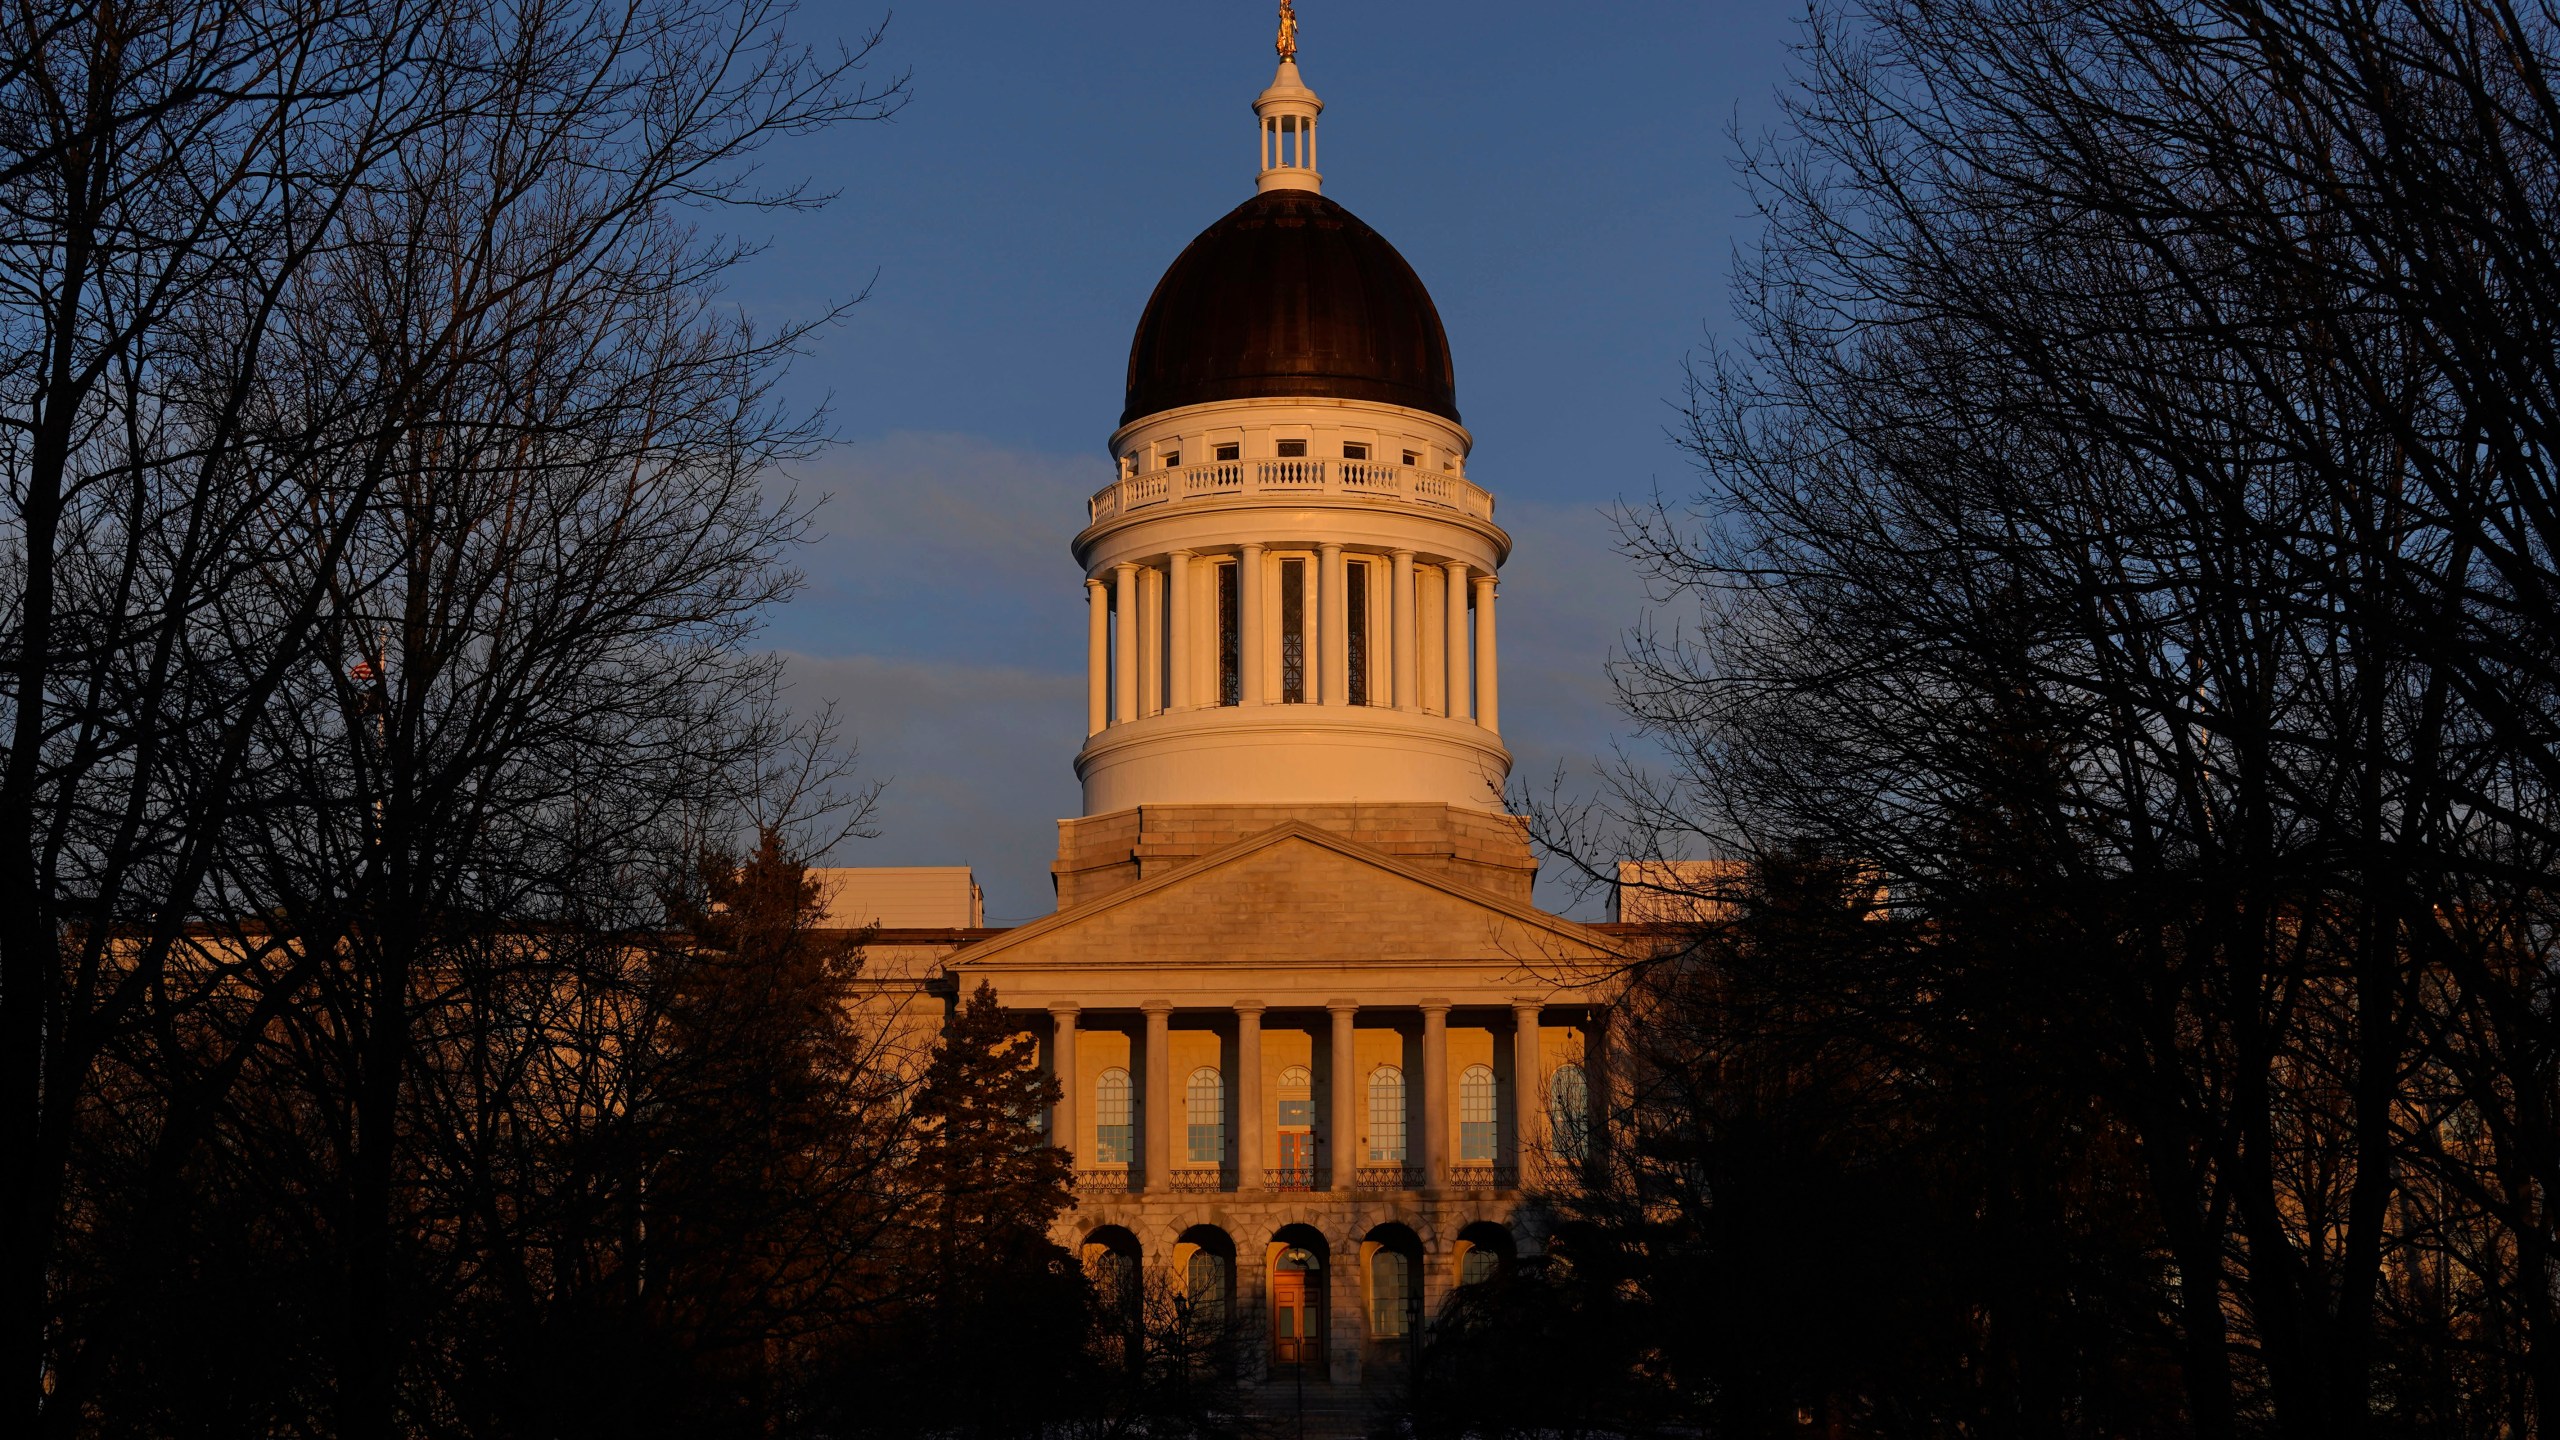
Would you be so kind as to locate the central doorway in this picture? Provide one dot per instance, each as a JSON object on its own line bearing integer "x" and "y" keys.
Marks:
{"x": 1297, "y": 1309}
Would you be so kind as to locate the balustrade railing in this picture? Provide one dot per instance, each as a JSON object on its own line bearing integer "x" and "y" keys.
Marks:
{"x": 1367, "y": 479}
{"x": 1292, "y": 1177}
{"x": 1476, "y": 1175}
{"x": 1104, "y": 1182}
{"x": 1198, "y": 1182}
{"x": 1389, "y": 1177}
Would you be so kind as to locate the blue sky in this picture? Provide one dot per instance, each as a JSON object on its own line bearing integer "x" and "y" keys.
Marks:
{"x": 1560, "y": 175}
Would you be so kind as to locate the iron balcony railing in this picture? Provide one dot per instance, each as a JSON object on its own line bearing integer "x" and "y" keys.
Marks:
{"x": 1226, "y": 479}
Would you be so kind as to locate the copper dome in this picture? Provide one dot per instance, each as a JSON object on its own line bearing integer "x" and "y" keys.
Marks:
{"x": 1290, "y": 294}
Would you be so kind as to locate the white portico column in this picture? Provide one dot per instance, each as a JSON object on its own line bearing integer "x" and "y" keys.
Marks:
{"x": 1343, "y": 1139}
{"x": 1159, "y": 1097}
{"x": 1150, "y": 641}
{"x": 1062, "y": 1064}
{"x": 1250, "y": 1125}
{"x": 1097, "y": 657}
{"x": 1405, "y": 635}
{"x": 1251, "y": 645}
{"x": 1488, "y": 673}
{"x": 1336, "y": 646}
{"x": 1528, "y": 1088}
{"x": 1178, "y": 641}
{"x": 1124, "y": 670}
{"x": 1435, "y": 1094}
{"x": 1455, "y": 646}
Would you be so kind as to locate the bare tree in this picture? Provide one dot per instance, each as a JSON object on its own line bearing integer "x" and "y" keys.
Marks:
{"x": 2128, "y": 530}
{"x": 384, "y": 530}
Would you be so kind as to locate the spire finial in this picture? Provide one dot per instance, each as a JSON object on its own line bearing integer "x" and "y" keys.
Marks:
{"x": 1287, "y": 44}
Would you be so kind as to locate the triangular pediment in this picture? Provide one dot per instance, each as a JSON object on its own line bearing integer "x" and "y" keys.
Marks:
{"x": 1290, "y": 897}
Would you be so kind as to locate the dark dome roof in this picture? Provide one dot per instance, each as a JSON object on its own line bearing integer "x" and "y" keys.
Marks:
{"x": 1290, "y": 294}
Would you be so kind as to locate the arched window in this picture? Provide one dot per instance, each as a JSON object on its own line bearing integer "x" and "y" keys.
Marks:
{"x": 1479, "y": 1111}
{"x": 1204, "y": 1108}
{"x": 1115, "y": 1139}
{"x": 1386, "y": 1114}
{"x": 1208, "y": 1288}
{"x": 1297, "y": 1098}
{"x": 1481, "y": 1264}
{"x": 1569, "y": 1113}
{"x": 1390, "y": 1294}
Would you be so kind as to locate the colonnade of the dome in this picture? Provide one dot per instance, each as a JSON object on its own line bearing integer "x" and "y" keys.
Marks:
{"x": 1291, "y": 623}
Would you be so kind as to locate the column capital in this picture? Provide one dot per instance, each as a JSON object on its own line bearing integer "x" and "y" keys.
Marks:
{"x": 1341, "y": 1007}
{"x": 1519, "y": 1005}
{"x": 1068, "y": 1009}
{"x": 1249, "y": 1007}
{"x": 1184, "y": 553}
{"x": 1155, "y": 1007}
{"x": 1432, "y": 1007}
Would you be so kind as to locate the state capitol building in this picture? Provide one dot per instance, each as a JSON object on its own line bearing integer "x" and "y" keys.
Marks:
{"x": 1316, "y": 1044}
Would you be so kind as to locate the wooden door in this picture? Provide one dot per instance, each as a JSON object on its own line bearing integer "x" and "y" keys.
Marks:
{"x": 1293, "y": 1337}
{"x": 1297, "y": 1169}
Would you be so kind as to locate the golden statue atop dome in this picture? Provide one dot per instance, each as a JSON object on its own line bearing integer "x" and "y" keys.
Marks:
{"x": 1287, "y": 44}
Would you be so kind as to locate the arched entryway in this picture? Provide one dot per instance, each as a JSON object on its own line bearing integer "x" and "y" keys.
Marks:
{"x": 1204, "y": 1268}
{"x": 1300, "y": 1272}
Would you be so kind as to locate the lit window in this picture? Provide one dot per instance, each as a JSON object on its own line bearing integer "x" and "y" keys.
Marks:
{"x": 1114, "y": 1137}
{"x": 1204, "y": 1108}
{"x": 1297, "y": 1098}
{"x": 1569, "y": 1112}
{"x": 1478, "y": 1113}
{"x": 1386, "y": 1114}
{"x": 1390, "y": 1295}
{"x": 1228, "y": 451}
{"x": 1354, "y": 450}
{"x": 1292, "y": 450}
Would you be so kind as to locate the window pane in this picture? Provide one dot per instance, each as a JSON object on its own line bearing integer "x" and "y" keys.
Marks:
{"x": 1114, "y": 1134}
{"x": 1478, "y": 1112}
{"x": 1204, "y": 1104}
{"x": 1480, "y": 1264}
{"x": 1208, "y": 1286}
{"x": 1569, "y": 1113}
{"x": 1391, "y": 1295}
{"x": 1386, "y": 1114}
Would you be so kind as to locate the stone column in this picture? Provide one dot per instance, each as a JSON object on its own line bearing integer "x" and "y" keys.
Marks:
{"x": 1528, "y": 1088}
{"x": 1403, "y": 633}
{"x": 1150, "y": 641}
{"x": 1430, "y": 629}
{"x": 1337, "y": 625}
{"x": 1097, "y": 657}
{"x": 1488, "y": 674}
{"x": 1455, "y": 646}
{"x": 1062, "y": 1064}
{"x": 1124, "y": 636}
{"x": 1158, "y": 1098}
{"x": 1435, "y": 1094}
{"x": 1178, "y": 641}
{"x": 1342, "y": 1141}
{"x": 1251, "y": 644}
{"x": 1251, "y": 1124}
